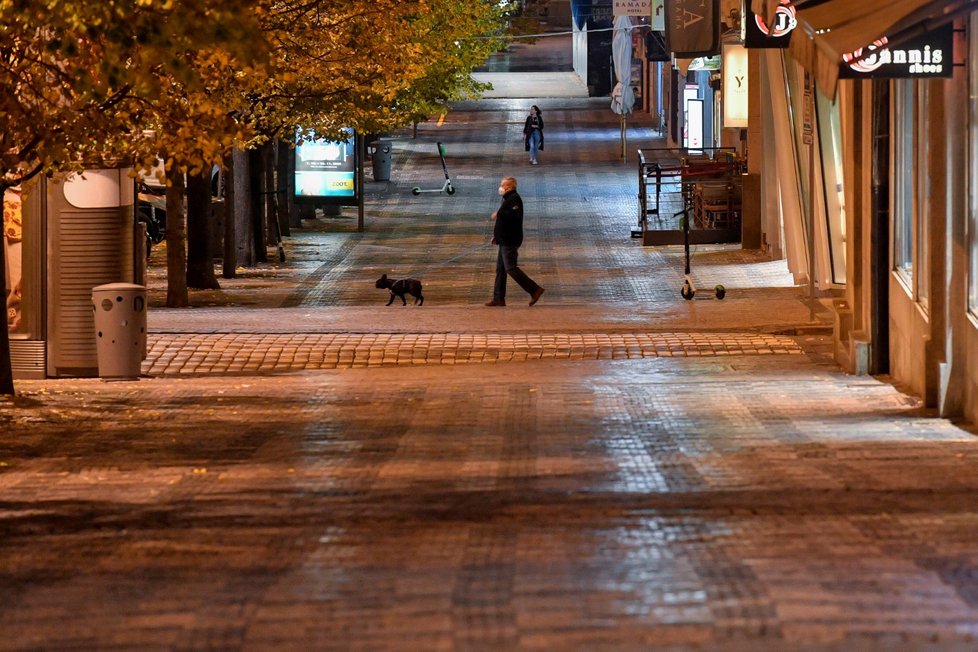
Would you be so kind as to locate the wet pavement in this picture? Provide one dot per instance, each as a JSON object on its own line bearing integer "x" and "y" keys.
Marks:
{"x": 303, "y": 468}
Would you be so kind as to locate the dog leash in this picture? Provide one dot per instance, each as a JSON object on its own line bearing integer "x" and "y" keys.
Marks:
{"x": 465, "y": 253}
{"x": 450, "y": 260}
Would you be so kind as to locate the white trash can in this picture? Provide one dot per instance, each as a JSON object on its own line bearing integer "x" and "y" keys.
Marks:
{"x": 120, "y": 329}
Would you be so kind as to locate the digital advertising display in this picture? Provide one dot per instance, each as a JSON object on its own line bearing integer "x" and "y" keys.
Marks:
{"x": 326, "y": 171}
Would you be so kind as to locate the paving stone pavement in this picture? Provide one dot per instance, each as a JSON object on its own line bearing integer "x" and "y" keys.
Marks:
{"x": 245, "y": 353}
{"x": 740, "y": 502}
{"x": 613, "y": 469}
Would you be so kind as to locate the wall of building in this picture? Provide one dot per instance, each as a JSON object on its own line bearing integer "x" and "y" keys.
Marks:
{"x": 909, "y": 331}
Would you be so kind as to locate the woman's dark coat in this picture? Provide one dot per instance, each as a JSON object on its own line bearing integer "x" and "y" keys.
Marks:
{"x": 527, "y": 130}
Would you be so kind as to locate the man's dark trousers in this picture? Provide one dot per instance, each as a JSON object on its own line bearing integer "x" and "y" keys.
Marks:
{"x": 506, "y": 264}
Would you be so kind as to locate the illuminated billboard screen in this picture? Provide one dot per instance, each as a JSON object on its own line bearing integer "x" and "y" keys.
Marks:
{"x": 326, "y": 170}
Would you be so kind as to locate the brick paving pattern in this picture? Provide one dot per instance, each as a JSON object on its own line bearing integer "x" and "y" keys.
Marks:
{"x": 243, "y": 353}
{"x": 742, "y": 502}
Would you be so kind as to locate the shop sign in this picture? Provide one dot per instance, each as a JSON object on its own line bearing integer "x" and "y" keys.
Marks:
{"x": 326, "y": 169}
{"x": 808, "y": 112}
{"x": 693, "y": 27}
{"x": 633, "y": 8}
{"x": 734, "y": 86}
{"x": 777, "y": 35}
{"x": 705, "y": 63}
{"x": 928, "y": 55}
{"x": 655, "y": 48}
{"x": 659, "y": 15}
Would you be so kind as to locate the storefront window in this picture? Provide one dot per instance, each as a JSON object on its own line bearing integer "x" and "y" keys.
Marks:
{"x": 830, "y": 146}
{"x": 923, "y": 213}
{"x": 904, "y": 119}
{"x": 795, "y": 83}
{"x": 973, "y": 162}
{"x": 816, "y": 124}
{"x": 13, "y": 235}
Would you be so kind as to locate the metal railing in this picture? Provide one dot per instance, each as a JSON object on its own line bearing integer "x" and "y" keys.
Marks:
{"x": 708, "y": 186}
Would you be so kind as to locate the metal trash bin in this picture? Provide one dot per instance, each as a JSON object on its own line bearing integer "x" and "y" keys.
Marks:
{"x": 120, "y": 329}
{"x": 382, "y": 159}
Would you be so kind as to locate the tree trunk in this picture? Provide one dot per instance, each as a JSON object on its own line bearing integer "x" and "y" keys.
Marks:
{"x": 257, "y": 206}
{"x": 273, "y": 212}
{"x": 295, "y": 218}
{"x": 6, "y": 371}
{"x": 176, "y": 236}
{"x": 229, "y": 262}
{"x": 268, "y": 192}
{"x": 281, "y": 186}
{"x": 200, "y": 254}
{"x": 243, "y": 220}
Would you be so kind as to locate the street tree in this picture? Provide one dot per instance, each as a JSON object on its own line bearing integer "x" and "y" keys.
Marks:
{"x": 370, "y": 65}
{"x": 75, "y": 75}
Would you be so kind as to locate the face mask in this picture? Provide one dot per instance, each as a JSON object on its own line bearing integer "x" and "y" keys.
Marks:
{"x": 502, "y": 190}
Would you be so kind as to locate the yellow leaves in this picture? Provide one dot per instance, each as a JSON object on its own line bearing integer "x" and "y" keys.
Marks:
{"x": 196, "y": 78}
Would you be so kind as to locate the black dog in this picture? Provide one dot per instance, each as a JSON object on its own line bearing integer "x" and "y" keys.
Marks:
{"x": 400, "y": 288}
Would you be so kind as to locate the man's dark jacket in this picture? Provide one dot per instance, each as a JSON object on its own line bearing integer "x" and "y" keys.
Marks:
{"x": 508, "y": 230}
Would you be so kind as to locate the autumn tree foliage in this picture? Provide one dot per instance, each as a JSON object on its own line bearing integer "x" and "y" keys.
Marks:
{"x": 89, "y": 83}
{"x": 370, "y": 65}
{"x": 77, "y": 77}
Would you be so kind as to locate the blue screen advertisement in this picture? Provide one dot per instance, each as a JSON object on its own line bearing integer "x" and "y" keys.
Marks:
{"x": 325, "y": 168}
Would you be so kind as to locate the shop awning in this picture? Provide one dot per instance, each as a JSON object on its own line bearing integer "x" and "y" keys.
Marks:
{"x": 829, "y": 29}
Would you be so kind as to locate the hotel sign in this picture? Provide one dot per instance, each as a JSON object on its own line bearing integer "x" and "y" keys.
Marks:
{"x": 693, "y": 28}
{"x": 928, "y": 55}
{"x": 633, "y": 8}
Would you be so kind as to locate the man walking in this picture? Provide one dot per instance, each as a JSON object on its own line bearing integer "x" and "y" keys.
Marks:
{"x": 508, "y": 234}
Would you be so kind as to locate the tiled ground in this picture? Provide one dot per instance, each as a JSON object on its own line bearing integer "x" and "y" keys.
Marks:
{"x": 175, "y": 354}
{"x": 723, "y": 503}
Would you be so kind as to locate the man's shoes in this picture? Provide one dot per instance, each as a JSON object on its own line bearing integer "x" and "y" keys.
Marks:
{"x": 536, "y": 295}
{"x": 534, "y": 163}
{"x": 493, "y": 302}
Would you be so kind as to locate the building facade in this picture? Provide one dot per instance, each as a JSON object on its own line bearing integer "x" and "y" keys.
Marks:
{"x": 869, "y": 183}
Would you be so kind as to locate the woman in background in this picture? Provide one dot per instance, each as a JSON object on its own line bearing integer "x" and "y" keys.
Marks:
{"x": 533, "y": 133}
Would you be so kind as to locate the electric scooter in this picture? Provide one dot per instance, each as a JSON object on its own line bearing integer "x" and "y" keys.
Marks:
{"x": 688, "y": 290}
{"x": 447, "y": 186}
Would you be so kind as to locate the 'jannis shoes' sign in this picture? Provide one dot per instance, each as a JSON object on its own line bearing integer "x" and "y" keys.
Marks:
{"x": 928, "y": 55}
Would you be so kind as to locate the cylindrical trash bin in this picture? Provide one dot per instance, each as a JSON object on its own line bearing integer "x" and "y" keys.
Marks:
{"x": 120, "y": 329}
{"x": 382, "y": 160}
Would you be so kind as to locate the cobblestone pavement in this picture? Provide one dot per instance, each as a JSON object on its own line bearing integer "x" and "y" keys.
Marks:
{"x": 234, "y": 353}
{"x": 614, "y": 468}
